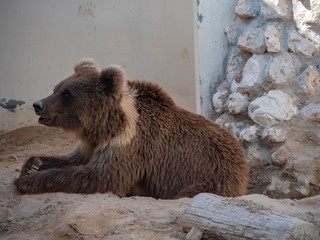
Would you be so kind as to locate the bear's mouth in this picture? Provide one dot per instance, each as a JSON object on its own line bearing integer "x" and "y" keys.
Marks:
{"x": 43, "y": 119}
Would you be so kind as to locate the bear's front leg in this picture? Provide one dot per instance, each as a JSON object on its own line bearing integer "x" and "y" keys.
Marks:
{"x": 75, "y": 179}
{"x": 35, "y": 164}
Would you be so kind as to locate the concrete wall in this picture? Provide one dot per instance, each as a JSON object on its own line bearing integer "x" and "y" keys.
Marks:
{"x": 41, "y": 40}
{"x": 179, "y": 44}
{"x": 213, "y": 16}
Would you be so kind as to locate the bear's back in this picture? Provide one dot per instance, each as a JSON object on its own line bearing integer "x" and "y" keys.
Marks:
{"x": 188, "y": 147}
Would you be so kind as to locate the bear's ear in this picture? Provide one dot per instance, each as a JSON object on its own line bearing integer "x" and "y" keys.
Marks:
{"x": 113, "y": 79}
{"x": 86, "y": 64}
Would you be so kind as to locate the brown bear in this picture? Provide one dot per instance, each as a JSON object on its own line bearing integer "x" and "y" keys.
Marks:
{"x": 132, "y": 137}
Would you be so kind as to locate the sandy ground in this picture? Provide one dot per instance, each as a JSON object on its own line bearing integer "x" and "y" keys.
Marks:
{"x": 99, "y": 216}
{"x": 74, "y": 216}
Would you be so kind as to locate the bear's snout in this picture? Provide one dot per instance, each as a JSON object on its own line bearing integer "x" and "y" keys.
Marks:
{"x": 38, "y": 107}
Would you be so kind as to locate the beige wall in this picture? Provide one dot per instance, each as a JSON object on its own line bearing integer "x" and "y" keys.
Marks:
{"x": 41, "y": 40}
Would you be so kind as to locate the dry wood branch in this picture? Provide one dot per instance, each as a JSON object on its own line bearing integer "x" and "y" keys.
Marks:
{"x": 226, "y": 218}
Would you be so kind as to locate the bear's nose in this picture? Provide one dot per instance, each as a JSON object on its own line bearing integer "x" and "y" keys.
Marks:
{"x": 38, "y": 107}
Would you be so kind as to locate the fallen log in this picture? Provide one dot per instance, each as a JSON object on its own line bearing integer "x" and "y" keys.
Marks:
{"x": 233, "y": 218}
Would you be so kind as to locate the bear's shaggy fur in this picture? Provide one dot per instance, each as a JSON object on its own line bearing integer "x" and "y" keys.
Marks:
{"x": 133, "y": 140}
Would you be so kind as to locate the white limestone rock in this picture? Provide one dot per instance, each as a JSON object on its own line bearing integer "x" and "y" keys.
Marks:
{"x": 236, "y": 62}
{"x": 305, "y": 170}
{"x": 312, "y": 36}
{"x": 233, "y": 127}
{"x": 249, "y": 134}
{"x": 301, "y": 14}
{"x": 219, "y": 99}
{"x": 253, "y": 75}
{"x": 275, "y": 81}
{"x": 311, "y": 112}
{"x": 297, "y": 63}
{"x": 274, "y": 107}
{"x": 258, "y": 155}
{"x": 275, "y": 9}
{"x": 280, "y": 156}
{"x": 306, "y": 42}
{"x": 278, "y": 186}
{"x": 282, "y": 71}
{"x": 307, "y": 182}
{"x": 234, "y": 30}
{"x": 238, "y": 103}
{"x": 308, "y": 81}
{"x": 194, "y": 234}
{"x": 315, "y": 13}
{"x": 224, "y": 118}
{"x": 305, "y": 160}
{"x": 252, "y": 41}
{"x": 306, "y": 16}
{"x": 247, "y": 8}
{"x": 273, "y": 38}
{"x": 275, "y": 134}
{"x": 303, "y": 185}
{"x": 219, "y": 121}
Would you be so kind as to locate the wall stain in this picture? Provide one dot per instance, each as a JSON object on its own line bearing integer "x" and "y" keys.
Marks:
{"x": 200, "y": 16}
{"x": 185, "y": 53}
{"x": 11, "y": 105}
{"x": 87, "y": 9}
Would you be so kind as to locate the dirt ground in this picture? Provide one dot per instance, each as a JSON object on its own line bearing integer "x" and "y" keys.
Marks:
{"x": 98, "y": 216}
{"x": 74, "y": 216}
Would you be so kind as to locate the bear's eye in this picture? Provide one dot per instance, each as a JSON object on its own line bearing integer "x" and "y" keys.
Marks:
{"x": 66, "y": 94}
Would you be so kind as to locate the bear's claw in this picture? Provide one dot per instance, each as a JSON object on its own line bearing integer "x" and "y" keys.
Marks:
{"x": 33, "y": 169}
{"x": 31, "y": 166}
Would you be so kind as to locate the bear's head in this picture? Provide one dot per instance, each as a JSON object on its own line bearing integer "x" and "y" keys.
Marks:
{"x": 96, "y": 105}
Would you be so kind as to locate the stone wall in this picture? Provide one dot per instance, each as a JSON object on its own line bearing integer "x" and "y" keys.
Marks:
{"x": 270, "y": 96}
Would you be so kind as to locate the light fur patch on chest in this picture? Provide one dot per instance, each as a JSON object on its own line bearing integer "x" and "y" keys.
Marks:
{"x": 128, "y": 106}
